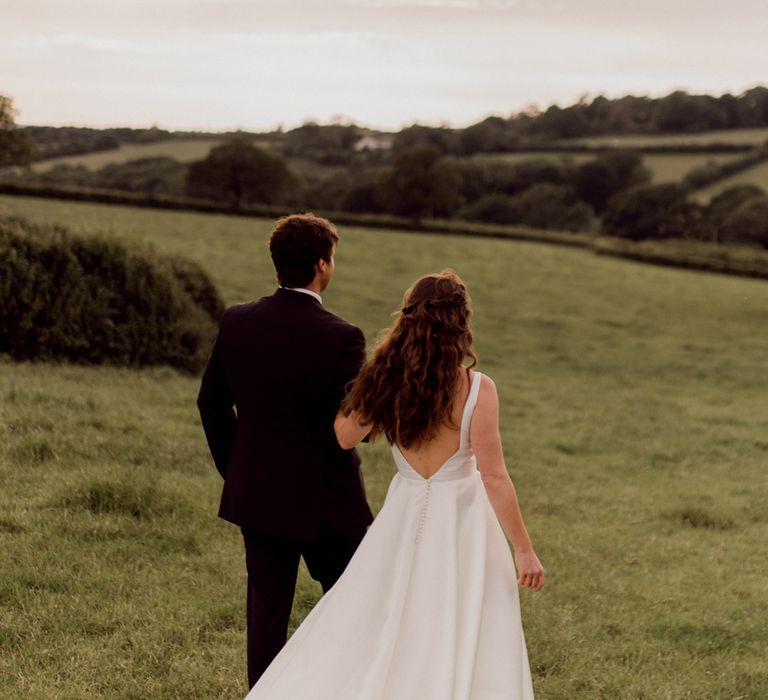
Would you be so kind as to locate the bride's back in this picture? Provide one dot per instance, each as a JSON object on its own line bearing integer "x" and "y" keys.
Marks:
{"x": 427, "y": 457}
{"x": 415, "y": 387}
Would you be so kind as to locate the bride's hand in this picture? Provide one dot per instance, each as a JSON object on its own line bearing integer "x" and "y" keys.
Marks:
{"x": 529, "y": 569}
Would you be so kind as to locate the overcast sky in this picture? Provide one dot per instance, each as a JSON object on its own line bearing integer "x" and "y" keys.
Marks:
{"x": 220, "y": 64}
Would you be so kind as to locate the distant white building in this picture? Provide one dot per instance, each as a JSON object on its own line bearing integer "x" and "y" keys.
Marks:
{"x": 375, "y": 142}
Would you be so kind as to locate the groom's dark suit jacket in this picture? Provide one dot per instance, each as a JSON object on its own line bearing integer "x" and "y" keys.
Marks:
{"x": 268, "y": 398}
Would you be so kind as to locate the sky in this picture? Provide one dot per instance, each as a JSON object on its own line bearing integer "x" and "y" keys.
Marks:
{"x": 256, "y": 64}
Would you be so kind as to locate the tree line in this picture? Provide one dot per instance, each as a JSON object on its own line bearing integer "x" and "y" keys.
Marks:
{"x": 334, "y": 144}
{"x": 676, "y": 113}
{"x": 423, "y": 178}
{"x": 610, "y": 194}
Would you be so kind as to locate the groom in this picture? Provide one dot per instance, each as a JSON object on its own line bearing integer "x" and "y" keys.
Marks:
{"x": 268, "y": 398}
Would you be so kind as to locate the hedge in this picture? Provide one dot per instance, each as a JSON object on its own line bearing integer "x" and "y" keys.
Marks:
{"x": 93, "y": 299}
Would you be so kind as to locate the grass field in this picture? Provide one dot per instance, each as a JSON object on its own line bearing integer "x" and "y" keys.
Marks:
{"x": 182, "y": 150}
{"x": 519, "y": 156}
{"x": 664, "y": 167}
{"x": 672, "y": 167}
{"x": 734, "y": 136}
{"x": 634, "y": 418}
{"x": 758, "y": 175}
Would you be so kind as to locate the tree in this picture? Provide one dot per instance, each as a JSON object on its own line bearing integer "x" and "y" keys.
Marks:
{"x": 443, "y": 139}
{"x": 551, "y": 206}
{"x": 55, "y": 141}
{"x": 630, "y": 114}
{"x": 239, "y": 172}
{"x": 366, "y": 196}
{"x": 422, "y": 183}
{"x": 326, "y": 193}
{"x": 728, "y": 201}
{"x": 567, "y": 123}
{"x": 748, "y": 223}
{"x": 491, "y": 135}
{"x": 15, "y": 146}
{"x": 600, "y": 179}
{"x": 652, "y": 211}
{"x": 331, "y": 145}
{"x": 681, "y": 112}
{"x": 483, "y": 177}
{"x": 159, "y": 175}
{"x": 494, "y": 208}
{"x": 754, "y": 107}
{"x": 544, "y": 205}
{"x": 535, "y": 171}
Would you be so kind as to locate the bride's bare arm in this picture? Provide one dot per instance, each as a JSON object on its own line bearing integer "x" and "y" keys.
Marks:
{"x": 486, "y": 443}
{"x": 349, "y": 429}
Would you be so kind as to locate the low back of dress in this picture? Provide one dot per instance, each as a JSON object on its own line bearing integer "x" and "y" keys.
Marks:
{"x": 461, "y": 463}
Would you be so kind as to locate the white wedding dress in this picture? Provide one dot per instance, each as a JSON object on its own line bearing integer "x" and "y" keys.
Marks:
{"x": 428, "y": 608}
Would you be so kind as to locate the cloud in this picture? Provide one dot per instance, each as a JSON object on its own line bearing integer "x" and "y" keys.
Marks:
{"x": 80, "y": 41}
{"x": 387, "y": 62}
{"x": 440, "y": 4}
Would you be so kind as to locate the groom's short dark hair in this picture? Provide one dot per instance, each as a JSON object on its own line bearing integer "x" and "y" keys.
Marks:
{"x": 297, "y": 244}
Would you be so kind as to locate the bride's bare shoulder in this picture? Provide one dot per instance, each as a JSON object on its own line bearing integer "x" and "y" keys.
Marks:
{"x": 487, "y": 396}
{"x": 487, "y": 385}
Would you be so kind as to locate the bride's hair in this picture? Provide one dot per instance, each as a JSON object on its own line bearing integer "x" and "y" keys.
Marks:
{"x": 407, "y": 389}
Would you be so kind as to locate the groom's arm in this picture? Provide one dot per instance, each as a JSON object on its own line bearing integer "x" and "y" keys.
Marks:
{"x": 350, "y": 360}
{"x": 215, "y": 402}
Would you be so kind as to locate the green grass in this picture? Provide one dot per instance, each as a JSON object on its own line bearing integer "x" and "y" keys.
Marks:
{"x": 731, "y": 136}
{"x": 663, "y": 167}
{"x": 519, "y": 156}
{"x": 673, "y": 167}
{"x": 182, "y": 150}
{"x": 757, "y": 175}
{"x": 634, "y": 418}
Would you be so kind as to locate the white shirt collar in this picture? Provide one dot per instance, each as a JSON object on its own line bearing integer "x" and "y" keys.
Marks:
{"x": 305, "y": 291}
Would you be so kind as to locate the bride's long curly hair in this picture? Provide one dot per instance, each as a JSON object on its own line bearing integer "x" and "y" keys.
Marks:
{"x": 406, "y": 390}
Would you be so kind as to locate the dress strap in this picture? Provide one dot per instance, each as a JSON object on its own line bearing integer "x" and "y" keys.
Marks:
{"x": 469, "y": 407}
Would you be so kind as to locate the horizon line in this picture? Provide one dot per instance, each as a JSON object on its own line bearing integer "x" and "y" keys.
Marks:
{"x": 347, "y": 120}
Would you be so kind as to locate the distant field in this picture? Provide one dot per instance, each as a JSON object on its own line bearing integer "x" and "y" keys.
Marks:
{"x": 672, "y": 167}
{"x": 664, "y": 167}
{"x": 519, "y": 156}
{"x": 184, "y": 151}
{"x": 667, "y": 167}
{"x": 734, "y": 136}
{"x": 754, "y": 176}
{"x": 634, "y": 408}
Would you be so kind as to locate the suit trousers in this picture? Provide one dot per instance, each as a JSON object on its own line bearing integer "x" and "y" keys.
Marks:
{"x": 273, "y": 564}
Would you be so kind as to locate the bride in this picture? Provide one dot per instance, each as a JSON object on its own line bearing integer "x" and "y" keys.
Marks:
{"x": 428, "y": 608}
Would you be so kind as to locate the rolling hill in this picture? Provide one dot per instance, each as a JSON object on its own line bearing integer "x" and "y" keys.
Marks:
{"x": 634, "y": 416}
